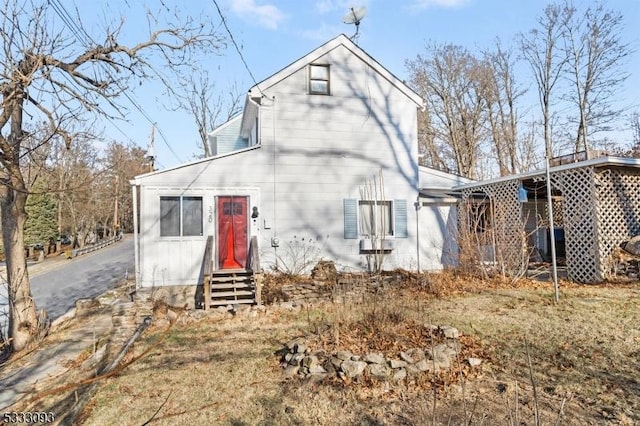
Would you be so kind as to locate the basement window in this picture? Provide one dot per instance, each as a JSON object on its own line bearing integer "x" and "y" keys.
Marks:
{"x": 319, "y": 79}
{"x": 180, "y": 216}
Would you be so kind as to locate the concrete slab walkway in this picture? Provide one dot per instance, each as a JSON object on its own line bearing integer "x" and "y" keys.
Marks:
{"x": 39, "y": 369}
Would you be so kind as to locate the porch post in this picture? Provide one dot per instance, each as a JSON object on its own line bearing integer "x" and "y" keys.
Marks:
{"x": 136, "y": 251}
{"x": 552, "y": 235}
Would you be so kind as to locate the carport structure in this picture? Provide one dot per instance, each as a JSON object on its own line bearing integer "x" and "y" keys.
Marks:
{"x": 596, "y": 207}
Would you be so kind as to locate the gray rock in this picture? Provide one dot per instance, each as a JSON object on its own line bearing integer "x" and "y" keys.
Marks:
{"x": 296, "y": 359}
{"x": 317, "y": 369}
{"x": 378, "y": 370}
{"x": 329, "y": 367}
{"x": 375, "y": 358}
{"x": 291, "y": 371}
{"x": 356, "y": 357}
{"x": 399, "y": 374}
{"x": 416, "y": 354}
{"x": 455, "y": 345}
{"x": 442, "y": 353}
{"x": 474, "y": 362}
{"x": 198, "y": 314}
{"x": 633, "y": 246}
{"x": 353, "y": 368}
{"x": 395, "y": 363}
{"x": 450, "y": 332}
{"x": 406, "y": 356}
{"x": 288, "y": 356}
{"x": 412, "y": 370}
{"x": 424, "y": 365}
{"x": 335, "y": 361}
{"x": 300, "y": 348}
{"x": 310, "y": 361}
{"x": 344, "y": 355}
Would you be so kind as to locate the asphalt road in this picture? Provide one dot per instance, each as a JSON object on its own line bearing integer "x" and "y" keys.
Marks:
{"x": 86, "y": 276}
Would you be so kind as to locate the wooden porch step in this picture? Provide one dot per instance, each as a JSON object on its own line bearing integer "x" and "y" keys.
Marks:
{"x": 230, "y": 302}
{"x": 238, "y": 285}
{"x": 230, "y": 272}
{"x": 231, "y": 293}
{"x": 225, "y": 279}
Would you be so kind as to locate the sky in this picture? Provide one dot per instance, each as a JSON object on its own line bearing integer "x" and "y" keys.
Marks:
{"x": 274, "y": 33}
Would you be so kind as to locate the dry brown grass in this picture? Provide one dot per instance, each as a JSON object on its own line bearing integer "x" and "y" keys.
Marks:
{"x": 223, "y": 370}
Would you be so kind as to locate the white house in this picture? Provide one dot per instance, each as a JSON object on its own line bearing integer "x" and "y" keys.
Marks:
{"x": 321, "y": 164}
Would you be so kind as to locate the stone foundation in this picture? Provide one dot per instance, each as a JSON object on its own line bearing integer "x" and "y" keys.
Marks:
{"x": 182, "y": 296}
{"x": 345, "y": 287}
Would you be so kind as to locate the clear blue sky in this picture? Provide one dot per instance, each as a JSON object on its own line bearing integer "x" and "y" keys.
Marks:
{"x": 274, "y": 33}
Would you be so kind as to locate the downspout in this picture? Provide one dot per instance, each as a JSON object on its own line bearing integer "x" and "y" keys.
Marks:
{"x": 136, "y": 242}
{"x": 418, "y": 206}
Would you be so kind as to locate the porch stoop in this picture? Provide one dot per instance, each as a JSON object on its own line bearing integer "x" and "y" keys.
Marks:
{"x": 230, "y": 287}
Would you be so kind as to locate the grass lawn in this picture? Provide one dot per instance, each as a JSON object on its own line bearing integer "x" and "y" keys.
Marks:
{"x": 221, "y": 369}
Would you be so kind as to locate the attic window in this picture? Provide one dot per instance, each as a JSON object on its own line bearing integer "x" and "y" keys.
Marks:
{"x": 319, "y": 79}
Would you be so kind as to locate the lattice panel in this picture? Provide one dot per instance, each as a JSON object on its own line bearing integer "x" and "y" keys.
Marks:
{"x": 580, "y": 230}
{"x": 618, "y": 210}
{"x": 506, "y": 221}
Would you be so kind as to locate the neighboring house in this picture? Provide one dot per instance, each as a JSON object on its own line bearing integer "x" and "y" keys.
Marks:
{"x": 327, "y": 168}
{"x": 595, "y": 204}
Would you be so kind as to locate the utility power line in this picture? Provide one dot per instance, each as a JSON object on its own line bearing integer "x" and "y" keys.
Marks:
{"x": 235, "y": 45}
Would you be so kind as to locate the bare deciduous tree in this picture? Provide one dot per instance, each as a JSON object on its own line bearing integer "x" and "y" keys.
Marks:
{"x": 542, "y": 48}
{"x": 501, "y": 95}
{"x": 595, "y": 54}
{"x": 208, "y": 108}
{"x": 60, "y": 73}
{"x": 449, "y": 80}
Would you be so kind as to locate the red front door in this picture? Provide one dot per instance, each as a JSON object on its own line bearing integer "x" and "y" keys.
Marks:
{"x": 232, "y": 232}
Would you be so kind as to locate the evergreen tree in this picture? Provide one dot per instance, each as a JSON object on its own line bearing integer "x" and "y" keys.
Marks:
{"x": 41, "y": 224}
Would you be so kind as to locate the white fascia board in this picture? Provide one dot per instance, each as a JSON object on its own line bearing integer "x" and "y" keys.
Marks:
{"x": 138, "y": 179}
{"x": 455, "y": 179}
{"x": 594, "y": 162}
{"x": 225, "y": 125}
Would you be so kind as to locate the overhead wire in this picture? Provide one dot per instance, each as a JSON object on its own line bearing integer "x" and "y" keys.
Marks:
{"x": 235, "y": 45}
{"x": 86, "y": 40}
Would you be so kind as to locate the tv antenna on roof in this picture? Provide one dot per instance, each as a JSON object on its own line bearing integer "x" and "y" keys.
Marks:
{"x": 355, "y": 16}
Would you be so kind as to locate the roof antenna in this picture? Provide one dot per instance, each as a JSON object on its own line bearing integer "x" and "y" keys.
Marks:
{"x": 355, "y": 16}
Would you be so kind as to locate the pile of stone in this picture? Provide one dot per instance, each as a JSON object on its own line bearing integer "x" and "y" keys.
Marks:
{"x": 298, "y": 361}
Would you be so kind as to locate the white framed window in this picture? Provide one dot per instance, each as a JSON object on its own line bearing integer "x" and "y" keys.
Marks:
{"x": 181, "y": 216}
{"x": 379, "y": 218}
{"x": 319, "y": 81}
{"x": 375, "y": 218}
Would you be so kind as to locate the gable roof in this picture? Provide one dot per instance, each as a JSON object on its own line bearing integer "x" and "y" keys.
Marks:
{"x": 314, "y": 55}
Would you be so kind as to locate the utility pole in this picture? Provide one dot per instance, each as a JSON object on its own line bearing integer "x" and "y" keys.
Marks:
{"x": 151, "y": 157}
{"x": 116, "y": 224}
